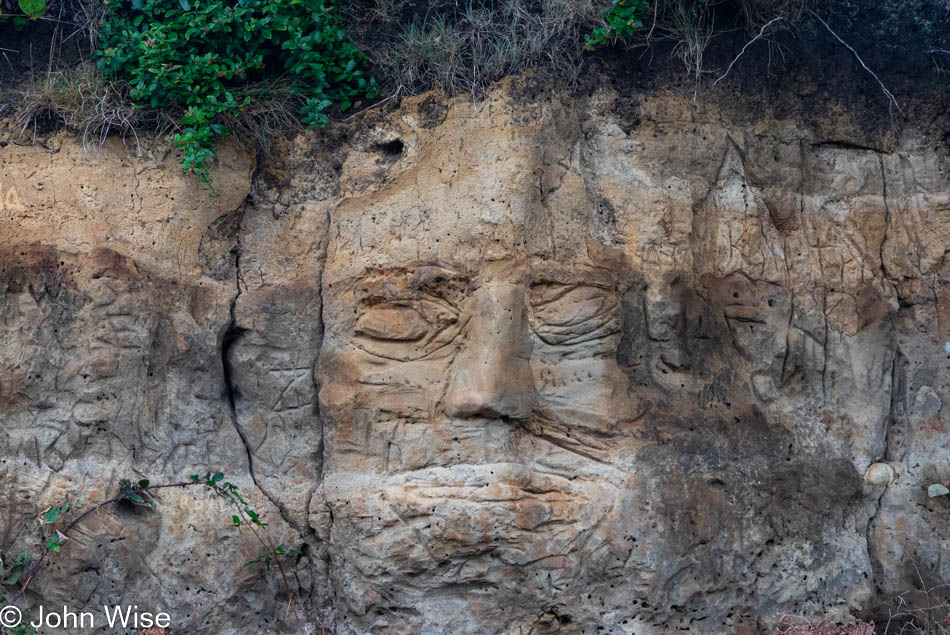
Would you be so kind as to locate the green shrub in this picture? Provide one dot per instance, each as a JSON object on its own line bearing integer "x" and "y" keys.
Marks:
{"x": 206, "y": 59}
{"x": 622, "y": 19}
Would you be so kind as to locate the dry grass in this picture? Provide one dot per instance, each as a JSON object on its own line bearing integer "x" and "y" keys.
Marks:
{"x": 691, "y": 25}
{"x": 921, "y": 611}
{"x": 758, "y": 12}
{"x": 462, "y": 47}
{"x": 272, "y": 112}
{"x": 80, "y": 100}
{"x": 790, "y": 625}
{"x": 83, "y": 101}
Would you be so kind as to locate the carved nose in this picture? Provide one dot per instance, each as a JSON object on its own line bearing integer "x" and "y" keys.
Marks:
{"x": 491, "y": 375}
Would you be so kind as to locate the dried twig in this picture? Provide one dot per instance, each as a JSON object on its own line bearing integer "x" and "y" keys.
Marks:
{"x": 889, "y": 94}
{"x": 932, "y": 617}
{"x": 376, "y": 105}
{"x": 749, "y": 43}
{"x": 822, "y": 627}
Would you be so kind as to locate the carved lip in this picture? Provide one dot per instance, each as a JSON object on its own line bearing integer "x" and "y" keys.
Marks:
{"x": 493, "y": 482}
{"x": 743, "y": 313}
{"x": 482, "y": 504}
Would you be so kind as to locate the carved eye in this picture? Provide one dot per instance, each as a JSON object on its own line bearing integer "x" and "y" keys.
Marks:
{"x": 571, "y": 314}
{"x": 406, "y": 329}
{"x": 400, "y": 323}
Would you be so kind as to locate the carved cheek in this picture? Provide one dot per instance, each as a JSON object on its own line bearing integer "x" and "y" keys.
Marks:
{"x": 588, "y": 393}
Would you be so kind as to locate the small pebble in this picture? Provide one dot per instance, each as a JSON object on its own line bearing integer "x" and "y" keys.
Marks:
{"x": 936, "y": 490}
{"x": 880, "y": 474}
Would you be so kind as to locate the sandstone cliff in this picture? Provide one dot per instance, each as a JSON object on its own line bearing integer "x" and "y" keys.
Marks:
{"x": 545, "y": 363}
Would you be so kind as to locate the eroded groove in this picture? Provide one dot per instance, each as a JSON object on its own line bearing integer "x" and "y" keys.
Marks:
{"x": 232, "y": 335}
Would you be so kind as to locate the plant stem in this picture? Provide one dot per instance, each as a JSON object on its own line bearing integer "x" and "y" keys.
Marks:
{"x": 268, "y": 545}
{"x": 65, "y": 531}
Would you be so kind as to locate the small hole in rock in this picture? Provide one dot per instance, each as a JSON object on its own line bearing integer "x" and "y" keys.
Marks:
{"x": 390, "y": 148}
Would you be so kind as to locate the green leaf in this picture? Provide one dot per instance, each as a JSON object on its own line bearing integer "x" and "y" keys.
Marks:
{"x": 51, "y": 515}
{"x": 33, "y": 8}
{"x": 55, "y": 542}
{"x": 203, "y": 56}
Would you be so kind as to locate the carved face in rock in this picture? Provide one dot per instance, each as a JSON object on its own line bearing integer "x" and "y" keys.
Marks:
{"x": 471, "y": 396}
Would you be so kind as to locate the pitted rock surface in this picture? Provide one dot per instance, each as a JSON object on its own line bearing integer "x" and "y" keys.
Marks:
{"x": 528, "y": 368}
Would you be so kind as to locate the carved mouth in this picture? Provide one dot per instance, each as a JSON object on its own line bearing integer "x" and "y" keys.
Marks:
{"x": 743, "y": 313}
{"x": 493, "y": 482}
{"x": 483, "y": 504}
{"x": 509, "y": 513}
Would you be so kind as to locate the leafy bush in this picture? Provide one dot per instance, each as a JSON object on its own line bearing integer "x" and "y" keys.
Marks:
{"x": 205, "y": 58}
{"x": 623, "y": 18}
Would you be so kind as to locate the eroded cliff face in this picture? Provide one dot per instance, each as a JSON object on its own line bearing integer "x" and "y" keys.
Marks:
{"x": 543, "y": 364}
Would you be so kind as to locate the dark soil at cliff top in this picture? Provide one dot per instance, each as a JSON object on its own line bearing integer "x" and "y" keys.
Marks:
{"x": 802, "y": 72}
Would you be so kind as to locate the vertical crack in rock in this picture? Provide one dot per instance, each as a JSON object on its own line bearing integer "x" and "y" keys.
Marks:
{"x": 326, "y": 554}
{"x": 895, "y": 413}
{"x": 824, "y": 347}
{"x": 896, "y": 402}
{"x": 231, "y": 335}
{"x": 887, "y": 216}
{"x": 315, "y": 379}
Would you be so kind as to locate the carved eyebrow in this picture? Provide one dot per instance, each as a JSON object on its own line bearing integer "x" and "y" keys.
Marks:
{"x": 410, "y": 273}
{"x": 404, "y": 283}
{"x": 427, "y": 276}
{"x": 575, "y": 278}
